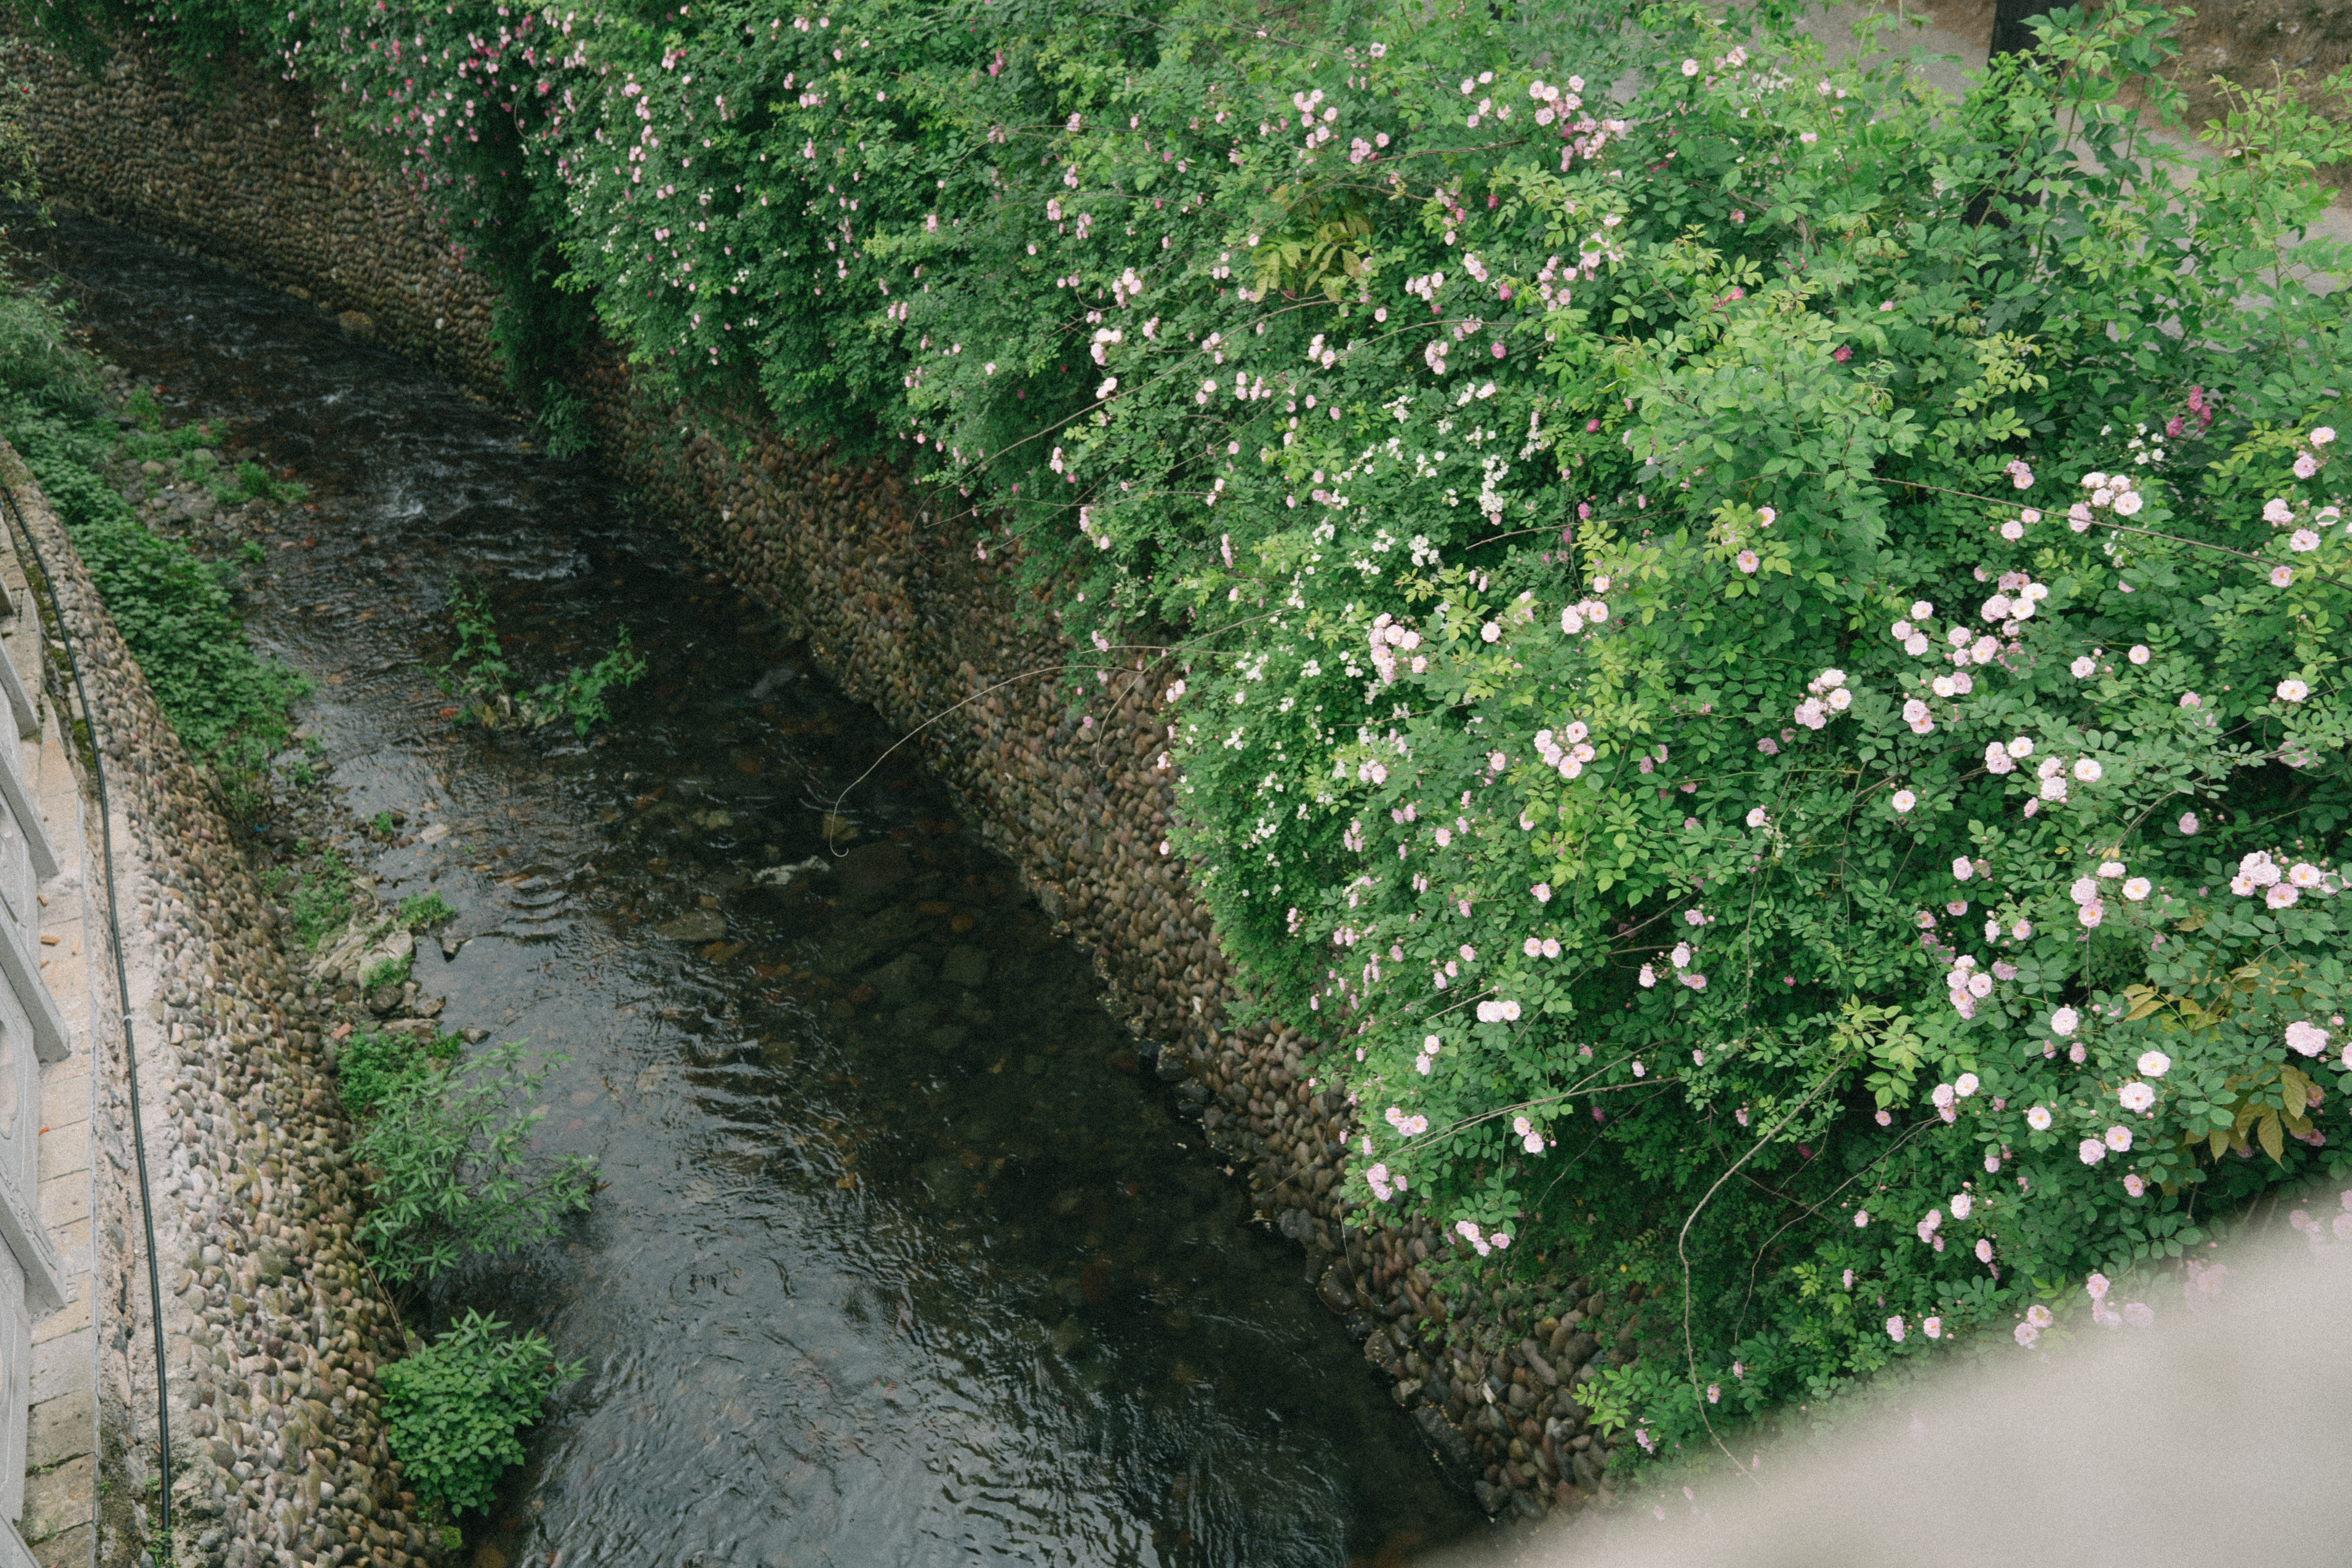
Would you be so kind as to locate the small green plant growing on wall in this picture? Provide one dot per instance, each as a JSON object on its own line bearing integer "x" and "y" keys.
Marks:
{"x": 456, "y": 1405}
{"x": 480, "y": 675}
{"x": 451, "y": 1172}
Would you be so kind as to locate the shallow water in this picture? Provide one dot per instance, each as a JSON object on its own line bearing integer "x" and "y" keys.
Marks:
{"x": 906, "y": 1256}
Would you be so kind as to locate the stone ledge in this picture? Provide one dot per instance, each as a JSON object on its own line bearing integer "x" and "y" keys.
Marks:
{"x": 70, "y": 1550}
{"x": 59, "y": 1499}
{"x": 62, "y": 1428}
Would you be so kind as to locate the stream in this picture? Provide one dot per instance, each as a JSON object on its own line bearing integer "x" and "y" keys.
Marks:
{"x": 905, "y": 1255}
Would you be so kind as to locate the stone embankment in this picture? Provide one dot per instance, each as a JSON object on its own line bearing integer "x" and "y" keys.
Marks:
{"x": 273, "y": 1331}
{"x": 249, "y": 174}
{"x": 901, "y": 611}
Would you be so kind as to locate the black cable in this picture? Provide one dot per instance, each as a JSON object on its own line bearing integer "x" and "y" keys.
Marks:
{"x": 129, "y": 1047}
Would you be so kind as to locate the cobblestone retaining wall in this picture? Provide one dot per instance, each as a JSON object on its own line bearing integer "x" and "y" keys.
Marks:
{"x": 273, "y": 1332}
{"x": 250, "y": 175}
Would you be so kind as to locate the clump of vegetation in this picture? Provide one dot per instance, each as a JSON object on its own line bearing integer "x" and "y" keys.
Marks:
{"x": 321, "y": 901}
{"x": 227, "y": 704}
{"x": 451, "y": 1172}
{"x": 478, "y": 674}
{"x": 455, "y": 1406}
{"x": 420, "y": 911}
{"x": 250, "y": 481}
{"x": 389, "y": 972}
{"x": 372, "y": 1063}
{"x": 446, "y": 1151}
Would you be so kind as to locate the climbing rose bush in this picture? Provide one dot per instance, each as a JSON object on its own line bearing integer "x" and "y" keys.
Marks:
{"x": 1876, "y": 859}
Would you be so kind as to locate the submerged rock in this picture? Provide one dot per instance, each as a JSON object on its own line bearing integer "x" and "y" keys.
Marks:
{"x": 775, "y": 680}
{"x": 778, "y": 877}
{"x": 901, "y": 981}
{"x": 694, "y": 925}
{"x": 867, "y": 873}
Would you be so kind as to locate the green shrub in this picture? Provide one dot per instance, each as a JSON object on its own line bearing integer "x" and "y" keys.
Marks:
{"x": 1568, "y": 506}
{"x": 388, "y": 971}
{"x": 451, "y": 1172}
{"x": 455, "y": 1406}
{"x": 372, "y": 1064}
{"x": 419, "y": 911}
{"x": 227, "y": 706}
{"x": 478, "y": 674}
{"x": 250, "y": 481}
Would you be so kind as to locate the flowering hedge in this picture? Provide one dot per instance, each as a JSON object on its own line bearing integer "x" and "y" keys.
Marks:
{"x": 1760, "y": 651}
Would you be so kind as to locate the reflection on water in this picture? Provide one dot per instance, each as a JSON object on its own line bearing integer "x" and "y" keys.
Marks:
{"x": 906, "y": 1256}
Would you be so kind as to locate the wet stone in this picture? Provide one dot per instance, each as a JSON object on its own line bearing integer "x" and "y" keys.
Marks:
{"x": 694, "y": 925}
{"x": 870, "y": 871}
{"x": 899, "y": 982}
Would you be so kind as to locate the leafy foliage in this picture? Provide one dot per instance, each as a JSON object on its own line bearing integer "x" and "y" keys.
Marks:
{"x": 250, "y": 481}
{"x": 451, "y": 1171}
{"x": 372, "y": 1064}
{"x": 455, "y": 1406}
{"x": 386, "y": 971}
{"x": 321, "y": 901}
{"x": 227, "y": 705}
{"x": 478, "y": 673}
{"x": 419, "y": 911}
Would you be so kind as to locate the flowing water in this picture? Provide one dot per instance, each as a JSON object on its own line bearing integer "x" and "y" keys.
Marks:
{"x": 906, "y": 1257}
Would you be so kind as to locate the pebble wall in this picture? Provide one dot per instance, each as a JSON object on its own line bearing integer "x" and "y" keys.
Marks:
{"x": 898, "y": 607}
{"x": 273, "y": 1329}
{"x": 249, "y": 175}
